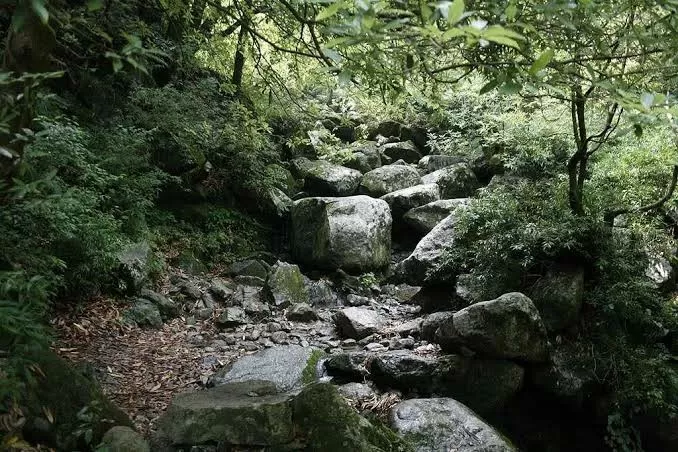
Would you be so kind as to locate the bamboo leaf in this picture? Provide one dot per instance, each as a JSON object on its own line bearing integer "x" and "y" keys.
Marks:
{"x": 542, "y": 61}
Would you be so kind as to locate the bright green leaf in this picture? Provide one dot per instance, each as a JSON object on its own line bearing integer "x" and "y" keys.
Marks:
{"x": 452, "y": 33}
{"x": 456, "y": 11}
{"x": 503, "y": 40}
{"x": 40, "y": 10}
{"x": 94, "y": 5}
{"x": 329, "y": 11}
{"x": 542, "y": 61}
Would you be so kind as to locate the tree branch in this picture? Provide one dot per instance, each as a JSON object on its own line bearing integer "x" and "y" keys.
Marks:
{"x": 611, "y": 215}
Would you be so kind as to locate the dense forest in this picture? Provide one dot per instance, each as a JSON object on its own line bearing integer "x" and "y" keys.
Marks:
{"x": 338, "y": 225}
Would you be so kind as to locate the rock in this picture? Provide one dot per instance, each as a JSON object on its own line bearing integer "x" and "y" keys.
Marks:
{"x": 285, "y": 285}
{"x": 189, "y": 263}
{"x": 431, "y": 163}
{"x": 358, "y": 323}
{"x": 358, "y": 161}
{"x": 401, "y": 201}
{"x": 432, "y": 322}
{"x": 168, "y": 308}
{"x": 568, "y": 376}
{"x": 443, "y": 424}
{"x": 429, "y": 255}
{"x": 484, "y": 385}
{"x": 436, "y": 298}
{"x": 350, "y": 233}
{"x": 456, "y": 181}
{"x": 386, "y": 129}
{"x": 660, "y": 272}
{"x": 357, "y": 300}
{"x": 559, "y": 297}
{"x": 375, "y": 347}
{"x": 357, "y": 392}
{"x": 387, "y": 179}
{"x": 406, "y": 151}
{"x": 250, "y": 413}
{"x": 288, "y": 367}
{"x": 348, "y": 366}
{"x": 253, "y": 281}
{"x": 143, "y": 313}
{"x": 365, "y": 157}
{"x": 344, "y": 133}
{"x": 417, "y": 134}
{"x": 249, "y": 267}
{"x": 233, "y": 316}
{"x": 63, "y": 390}
{"x": 123, "y": 439}
{"x": 221, "y": 289}
{"x": 190, "y": 290}
{"x": 424, "y": 218}
{"x": 507, "y": 327}
{"x": 134, "y": 266}
{"x": 411, "y": 327}
{"x": 320, "y": 293}
{"x": 467, "y": 289}
{"x": 301, "y": 312}
{"x": 275, "y": 203}
{"x": 329, "y": 424}
{"x": 322, "y": 178}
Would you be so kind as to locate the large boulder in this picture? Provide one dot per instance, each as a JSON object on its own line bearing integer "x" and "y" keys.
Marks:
{"x": 388, "y": 128}
{"x": 352, "y": 233}
{"x": 424, "y": 218}
{"x": 285, "y": 285}
{"x": 485, "y": 385}
{"x": 433, "y": 425}
{"x": 559, "y": 297}
{"x": 287, "y": 367}
{"x": 456, "y": 181}
{"x": 387, "y": 179}
{"x": 248, "y": 267}
{"x": 329, "y": 424}
{"x": 252, "y": 413}
{"x": 406, "y": 151}
{"x": 54, "y": 400}
{"x": 143, "y": 313}
{"x": 357, "y": 323}
{"x": 123, "y": 439}
{"x": 323, "y": 178}
{"x": 508, "y": 327}
{"x": 168, "y": 308}
{"x": 419, "y": 268}
{"x": 431, "y": 163}
{"x": 403, "y": 200}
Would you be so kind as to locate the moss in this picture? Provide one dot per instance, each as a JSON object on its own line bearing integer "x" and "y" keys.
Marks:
{"x": 329, "y": 424}
{"x": 308, "y": 376}
{"x": 64, "y": 391}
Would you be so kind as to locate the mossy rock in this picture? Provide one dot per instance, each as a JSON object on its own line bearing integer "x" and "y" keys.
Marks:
{"x": 285, "y": 285}
{"x": 62, "y": 391}
{"x": 329, "y": 424}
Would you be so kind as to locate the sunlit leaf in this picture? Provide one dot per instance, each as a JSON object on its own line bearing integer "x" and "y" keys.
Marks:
{"x": 456, "y": 11}
{"x": 40, "y": 10}
{"x": 542, "y": 61}
{"x": 330, "y": 11}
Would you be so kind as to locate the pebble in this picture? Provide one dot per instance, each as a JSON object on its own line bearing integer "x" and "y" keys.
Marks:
{"x": 304, "y": 343}
{"x": 250, "y": 347}
{"x": 272, "y": 327}
{"x": 349, "y": 343}
{"x": 279, "y": 337}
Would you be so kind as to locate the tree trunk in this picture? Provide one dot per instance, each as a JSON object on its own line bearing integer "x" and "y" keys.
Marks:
{"x": 239, "y": 62}
{"x": 197, "y": 13}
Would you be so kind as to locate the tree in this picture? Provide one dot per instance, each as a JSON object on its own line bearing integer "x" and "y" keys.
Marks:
{"x": 612, "y": 56}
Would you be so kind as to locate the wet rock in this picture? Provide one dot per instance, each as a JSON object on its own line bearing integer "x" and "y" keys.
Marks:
{"x": 508, "y": 327}
{"x": 387, "y": 179}
{"x": 443, "y": 424}
{"x": 559, "y": 297}
{"x": 143, "y": 313}
{"x": 402, "y": 201}
{"x": 285, "y": 285}
{"x": 350, "y": 233}
{"x": 251, "y": 413}
{"x": 322, "y": 178}
{"x": 405, "y": 150}
{"x": 249, "y": 267}
{"x": 423, "y": 219}
{"x": 348, "y": 366}
{"x": 456, "y": 181}
{"x": 286, "y": 367}
{"x": 301, "y": 312}
{"x": 357, "y": 323}
{"x": 232, "y": 316}
{"x": 123, "y": 439}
